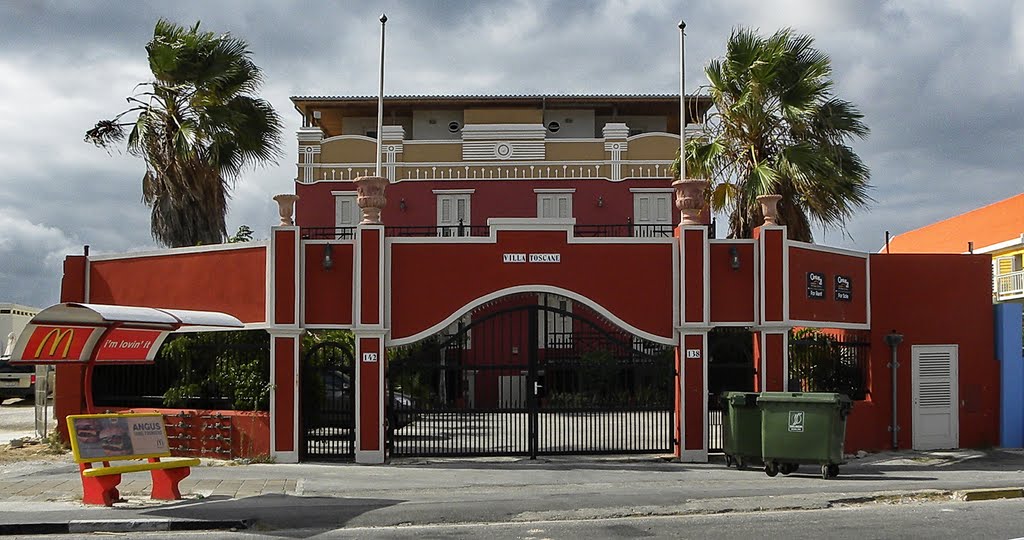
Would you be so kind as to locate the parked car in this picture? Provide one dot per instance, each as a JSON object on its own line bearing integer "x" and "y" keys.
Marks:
{"x": 20, "y": 381}
{"x": 336, "y": 409}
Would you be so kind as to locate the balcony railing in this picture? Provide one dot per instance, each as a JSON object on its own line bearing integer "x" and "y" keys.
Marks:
{"x": 1009, "y": 285}
{"x": 494, "y": 170}
{"x": 626, "y": 230}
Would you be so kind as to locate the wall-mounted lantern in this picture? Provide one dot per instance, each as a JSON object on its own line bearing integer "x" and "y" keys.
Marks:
{"x": 328, "y": 260}
{"x": 734, "y": 258}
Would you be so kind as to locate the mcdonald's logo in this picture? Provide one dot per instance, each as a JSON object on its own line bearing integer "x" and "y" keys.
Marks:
{"x": 48, "y": 343}
{"x": 67, "y": 335}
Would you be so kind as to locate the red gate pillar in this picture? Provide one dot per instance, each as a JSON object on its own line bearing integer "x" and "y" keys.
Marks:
{"x": 284, "y": 330}
{"x": 771, "y": 355}
{"x": 368, "y": 317}
{"x": 694, "y": 323}
{"x": 69, "y": 394}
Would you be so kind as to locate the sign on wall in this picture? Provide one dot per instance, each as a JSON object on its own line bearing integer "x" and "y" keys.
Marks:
{"x": 815, "y": 285}
{"x": 531, "y": 258}
{"x": 844, "y": 288}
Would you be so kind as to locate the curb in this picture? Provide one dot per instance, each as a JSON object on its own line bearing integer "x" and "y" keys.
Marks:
{"x": 988, "y": 494}
{"x": 86, "y": 526}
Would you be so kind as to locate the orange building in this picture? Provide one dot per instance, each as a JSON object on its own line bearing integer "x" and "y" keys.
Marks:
{"x": 996, "y": 229}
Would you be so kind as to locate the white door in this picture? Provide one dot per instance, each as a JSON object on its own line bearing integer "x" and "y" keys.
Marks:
{"x": 451, "y": 209}
{"x": 346, "y": 214}
{"x": 935, "y": 418}
{"x": 511, "y": 391}
{"x": 554, "y": 205}
{"x": 652, "y": 214}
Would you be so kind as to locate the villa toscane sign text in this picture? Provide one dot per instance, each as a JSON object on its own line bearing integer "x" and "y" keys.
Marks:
{"x": 531, "y": 257}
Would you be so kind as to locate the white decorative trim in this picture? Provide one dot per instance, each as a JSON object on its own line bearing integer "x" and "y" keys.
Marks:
{"x": 348, "y": 138}
{"x": 785, "y": 274}
{"x": 453, "y": 191}
{"x": 392, "y": 133}
{"x": 87, "y": 285}
{"x": 601, "y": 310}
{"x": 494, "y": 170}
{"x": 828, "y": 324}
{"x": 1016, "y": 242}
{"x": 554, "y": 190}
{"x": 291, "y": 456}
{"x": 309, "y": 134}
{"x": 416, "y": 142}
{"x": 167, "y": 252}
{"x": 615, "y": 130}
{"x": 651, "y": 190}
{"x": 828, "y": 249}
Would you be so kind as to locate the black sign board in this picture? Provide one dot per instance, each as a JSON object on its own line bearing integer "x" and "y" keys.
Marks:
{"x": 815, "y": 285}
{"x": 844, "y": 288}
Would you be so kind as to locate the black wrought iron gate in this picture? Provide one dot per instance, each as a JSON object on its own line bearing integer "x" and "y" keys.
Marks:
{"x": 529, "y": 378}
{"x": 328, "y": 402}
{"x": 730, "y": 368}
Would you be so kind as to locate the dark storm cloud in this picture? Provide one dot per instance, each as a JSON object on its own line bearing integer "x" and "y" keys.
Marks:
{"x": 938, "y": 81}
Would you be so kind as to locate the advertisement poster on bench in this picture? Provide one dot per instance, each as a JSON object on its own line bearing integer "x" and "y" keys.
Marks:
{"x": 119, "y": 436}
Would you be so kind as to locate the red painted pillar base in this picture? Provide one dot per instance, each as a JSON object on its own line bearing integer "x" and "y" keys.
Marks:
{"x": 370, "y": 425}
{"x": 693, "y": 413}
{"x": 284, "y": 398}
{"x": 771, "y": 360}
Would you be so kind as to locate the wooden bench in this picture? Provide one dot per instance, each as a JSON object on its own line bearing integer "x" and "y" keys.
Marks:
{"x": 99, "y": 439}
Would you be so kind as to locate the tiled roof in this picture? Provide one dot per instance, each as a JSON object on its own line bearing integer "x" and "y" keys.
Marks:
{"x": 993, "y": 224}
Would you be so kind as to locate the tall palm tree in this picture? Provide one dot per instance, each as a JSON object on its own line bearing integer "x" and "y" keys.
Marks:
{"x": 777, "y": 129}
{"x": 196, "y": 125}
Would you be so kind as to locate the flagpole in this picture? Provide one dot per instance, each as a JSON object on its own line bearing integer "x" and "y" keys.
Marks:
{"x": 682, "y": 103}
{"x": 380, "y": 96}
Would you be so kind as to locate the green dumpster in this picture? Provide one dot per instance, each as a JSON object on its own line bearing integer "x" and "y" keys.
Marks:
{"x": 741, "y": 428}
{"x": 803, "y": 428}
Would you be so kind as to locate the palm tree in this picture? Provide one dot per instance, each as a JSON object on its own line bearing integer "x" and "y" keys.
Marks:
{"x": 777, "y": 129}
{"x": 196, "y": 125}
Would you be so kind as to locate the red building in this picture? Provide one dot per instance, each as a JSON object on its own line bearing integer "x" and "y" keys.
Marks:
{"x": 520, "y": 282}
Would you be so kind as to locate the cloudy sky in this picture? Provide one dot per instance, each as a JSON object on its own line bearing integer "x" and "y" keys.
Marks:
{"x": 941, "y": 84}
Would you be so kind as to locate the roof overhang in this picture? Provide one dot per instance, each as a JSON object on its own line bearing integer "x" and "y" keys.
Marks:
{"x": 81, "y": 333}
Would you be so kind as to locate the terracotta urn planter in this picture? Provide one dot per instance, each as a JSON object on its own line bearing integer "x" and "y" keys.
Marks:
{"x": 770, "y": 208}
{"x": 286, "y": 207}
{"x": 690, "y": 199}
{"x": 370, "y": 198}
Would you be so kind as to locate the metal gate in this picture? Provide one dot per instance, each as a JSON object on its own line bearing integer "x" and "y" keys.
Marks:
{"x": 529, "y": 378}
{"x": 328, "y": 402}
{"x": 730, "y": 368}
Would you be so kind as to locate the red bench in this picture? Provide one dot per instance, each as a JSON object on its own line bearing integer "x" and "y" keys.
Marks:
{"x": 97, "y": 440}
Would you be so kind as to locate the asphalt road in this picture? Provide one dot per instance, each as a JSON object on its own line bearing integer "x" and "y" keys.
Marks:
{"x": 1001, "y": 519}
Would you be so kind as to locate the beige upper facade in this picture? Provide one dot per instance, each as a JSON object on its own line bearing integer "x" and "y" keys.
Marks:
{"x": 494, "y": 137}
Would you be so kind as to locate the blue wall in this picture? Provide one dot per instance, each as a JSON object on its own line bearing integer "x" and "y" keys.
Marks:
{"x": 1008, "y": 352}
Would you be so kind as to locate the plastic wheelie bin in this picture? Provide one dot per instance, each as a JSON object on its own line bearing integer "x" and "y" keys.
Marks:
{"x": 741, "y": 428}
{"x": 803, "y": 428}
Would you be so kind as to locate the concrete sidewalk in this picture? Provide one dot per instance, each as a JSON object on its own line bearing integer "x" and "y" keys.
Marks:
{"x": 44, "y": 497}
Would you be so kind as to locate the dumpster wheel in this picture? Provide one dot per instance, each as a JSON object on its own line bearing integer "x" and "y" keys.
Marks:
{"x": 829, "y": 470}
{"x": 771, "y": 468}
{"x": 787, "y": 468}
{"x": 729, "y": 461}
{"x": 740, "y": 463}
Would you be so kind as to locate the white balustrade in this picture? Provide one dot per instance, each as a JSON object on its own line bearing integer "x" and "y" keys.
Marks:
{"x": 504, "y": 170}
